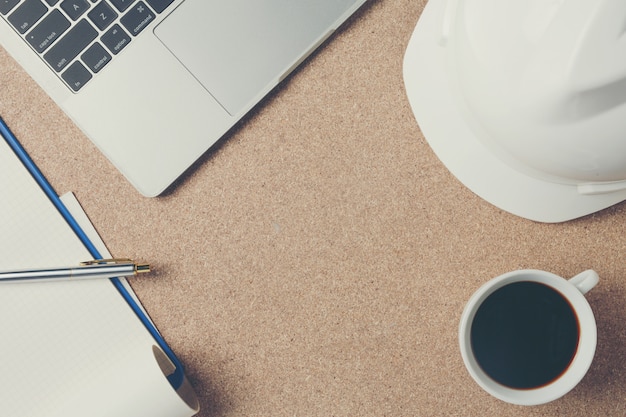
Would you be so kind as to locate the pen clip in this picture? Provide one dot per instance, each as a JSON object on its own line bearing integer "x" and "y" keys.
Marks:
{"x": 108, "y": 261}
{"x": 137, "y": 268}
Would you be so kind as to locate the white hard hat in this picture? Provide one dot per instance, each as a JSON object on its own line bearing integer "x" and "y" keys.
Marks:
{"x": 524, "y": 101}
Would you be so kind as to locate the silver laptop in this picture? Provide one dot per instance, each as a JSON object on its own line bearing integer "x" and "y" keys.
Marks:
{"x": 155, "y": 83}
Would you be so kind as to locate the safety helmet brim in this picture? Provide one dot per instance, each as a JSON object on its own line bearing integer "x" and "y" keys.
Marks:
{"x": 435, "y": 105}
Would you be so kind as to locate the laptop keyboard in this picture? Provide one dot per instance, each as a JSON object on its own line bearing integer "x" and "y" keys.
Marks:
{"x": 79, "y": 38}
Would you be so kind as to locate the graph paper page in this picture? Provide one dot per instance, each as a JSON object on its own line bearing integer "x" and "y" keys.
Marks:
{"x": 68, "y": 348}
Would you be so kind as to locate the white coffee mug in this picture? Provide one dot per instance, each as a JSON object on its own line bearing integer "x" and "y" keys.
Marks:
{"x": 572, "y": 291}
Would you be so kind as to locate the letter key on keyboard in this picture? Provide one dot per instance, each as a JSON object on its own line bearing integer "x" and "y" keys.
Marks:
{"x": 75, "y": 8}
{"x": 102, "y": 15}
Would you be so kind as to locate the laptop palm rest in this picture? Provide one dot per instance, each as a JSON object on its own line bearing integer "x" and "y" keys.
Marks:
{"x": 241, "y": 52}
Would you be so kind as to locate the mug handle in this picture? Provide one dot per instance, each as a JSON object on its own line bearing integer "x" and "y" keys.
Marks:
{"x": 585, "y": 281}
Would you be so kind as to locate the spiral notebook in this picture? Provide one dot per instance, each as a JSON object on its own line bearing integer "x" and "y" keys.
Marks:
{"x": 68, "y": 349}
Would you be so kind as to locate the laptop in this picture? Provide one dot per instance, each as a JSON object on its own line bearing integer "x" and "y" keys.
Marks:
{"x": 155, "y": 83}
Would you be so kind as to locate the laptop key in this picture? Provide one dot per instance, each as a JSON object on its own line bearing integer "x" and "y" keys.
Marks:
{"x": 52, "y": 2}
{"x": 137, "y": 18}
{"x": 75, "y": 8}
{"x": 115, "y": 39}
{"x": 27, "y": 14}
{"x": 159, "y": 5}
{"x": 68, "y": 47}
{"x": 48, "y": 31}
{"x": 102, "y": 15}
{"x": 96, "y": 57}
{"x": 7, "y": 5}
{"x": 76, "y": 76}
{"x": 122, "y": 5}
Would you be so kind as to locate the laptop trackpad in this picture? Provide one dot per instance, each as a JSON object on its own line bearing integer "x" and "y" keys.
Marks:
{"x": 238, "y": 49}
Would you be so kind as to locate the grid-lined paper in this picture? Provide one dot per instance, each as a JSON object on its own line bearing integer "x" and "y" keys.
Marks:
{"x": 66, "y": 348}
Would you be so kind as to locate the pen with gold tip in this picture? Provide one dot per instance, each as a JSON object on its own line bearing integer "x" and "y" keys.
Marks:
{"x": 101, "y": 268}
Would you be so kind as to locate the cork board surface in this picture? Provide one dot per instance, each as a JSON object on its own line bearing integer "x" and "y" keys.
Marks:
{"x": 317, "y": 261}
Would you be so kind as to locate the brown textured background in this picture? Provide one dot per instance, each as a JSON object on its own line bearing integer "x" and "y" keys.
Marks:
{"x": 316, "y": 263}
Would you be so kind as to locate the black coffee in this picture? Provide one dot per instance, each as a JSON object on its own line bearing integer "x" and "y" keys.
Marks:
{"x": 524, "y": 335}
